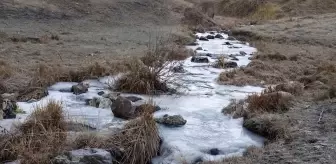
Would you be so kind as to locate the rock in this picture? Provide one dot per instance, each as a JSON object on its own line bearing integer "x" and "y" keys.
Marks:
{"x": 230, "y": 64}
{"x": 101, "y": 93}
{"x": 31, "y": 101}
{"x": 173, "y": 121}
{"x": 203, "y": 38}
{"x": 198, "y": 160}
{"x": 231, "y": 38}
{"x": 104, "y": 103}
{"x": 210, "y": 37}
{"x": 8, "y": 109}
{"x": 199, "y": 59}
{"x": 227, "y": 43}
{"x": 219, "y": 36}
{"x": 234, "y": 58}
{"x": 122, "y": 108}
{"x": 9, "y": 96}
{"x": 208, "y": 54}
{"x": 80, "y": 88}
{"x": 85, "y": 156}
{"x": 212, "y": 32}
{"x": 199, "y": 48}
{"x": 214, "y": 151}
{"x": 133, "y": 98}
{"x": 242, "y": 53}
{"x": 179, "y": 69}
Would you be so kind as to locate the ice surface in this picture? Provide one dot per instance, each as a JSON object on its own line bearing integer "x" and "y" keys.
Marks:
{"x": 200, "y": 101}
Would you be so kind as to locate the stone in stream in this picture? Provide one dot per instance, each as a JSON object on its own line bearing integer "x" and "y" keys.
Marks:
{"x": 101, "y": 93}
{"x": 230, "y": 64}
{"x": 192, "y": 44}
{"x": 214, "y": 151}
{"x": 199, "y": 48}
{"x": 234, "y": 58}
{"x": 198, "y": 160}
{"x": 227, "y": 43}
{"x": 85, "y": 156}
{"x": 179, "y": 69}
{"x": 200, "y": 59}
{"x": 172, "y": 121}
{"x": 212, "y": 32}
{"x": 203, "y": 38}
{"x": 8, "y": 109}
{"x": 219, "y": 36}
{"x": 210, "y": 37}
{"x": 133, "y": 98}
{"x": 243, "y": 53}
{"x": 123, "y": 108}
{"x": 80, "y": 88}
{"x": 99, "y": 102}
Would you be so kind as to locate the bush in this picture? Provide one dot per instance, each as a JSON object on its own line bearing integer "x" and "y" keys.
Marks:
{"x": 271, "y": 126}
{"x": 38, "y": 139}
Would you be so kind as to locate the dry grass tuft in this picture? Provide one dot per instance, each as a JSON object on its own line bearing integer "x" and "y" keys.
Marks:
{"x": 5, "y": 70}
{"x": 38, "y": 139}
{"x": 276, "y": 56}
{"x": 271, "y": 126}
{"x": 266, "y": 11}
{"x": 140, "y": 140}
{"x": 236, "y": 108}
{"x": 269, "y": 102}
{"x": 194, "y": 17}
{"x": 141, "y": 79}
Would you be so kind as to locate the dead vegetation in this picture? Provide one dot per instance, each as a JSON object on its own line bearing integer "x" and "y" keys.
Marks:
{"x": 38, "y": 139}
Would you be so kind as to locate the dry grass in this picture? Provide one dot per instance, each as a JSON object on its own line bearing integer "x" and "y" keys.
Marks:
{"x": 194, "y": 17}
{"x": 276, "y": 56}
{"x": 269, "y": 102}
{"x": 236, "y": 109}
{"x": 38, "y": 139}
{"x": 271, "y": 126}
{"x": 266, "y": 11}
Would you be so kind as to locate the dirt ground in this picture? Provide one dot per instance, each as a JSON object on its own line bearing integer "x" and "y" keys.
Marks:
{"x": 78, "y": 33}
{"x": 306, "y": 46}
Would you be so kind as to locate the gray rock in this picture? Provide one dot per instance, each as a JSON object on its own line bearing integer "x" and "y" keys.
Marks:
{"x": 133, "y": 98}
{"x": 199, "y": 59}
{"x": 242, "y": 53}
{"x": 8, "y": 109}
{"x": 99, "y": 102}
{"x": 101, "y": 93}
{"x": 80, "y": 88}
{"x": 234, "y": 58}
{"x": 122, "y": 108}
{"x": 199, "y": 48}
{"x": 203, "y": 38}
{"x": 85, "y": 156}
{"x": 210, "y": 37}
{"x": 214, "y": 151}
{"x": 219, "y": 36}
{"x": 192, "y": 44}
{"x": 230, "y": 64}
{"x": 173, "y": 121}
{"x": 31, "y": 101}
{"x": 227, "y": 43}
{"x": 179, "y": 69}
{"x": 112, "y": 96}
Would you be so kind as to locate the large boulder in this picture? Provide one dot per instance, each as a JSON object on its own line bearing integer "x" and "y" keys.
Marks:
{"x": 123, "y": 108}
{"x": 85, "y": 156}
{"x": 200, "y": 59}
{"x": 80, "y": 88}
{"x": 8, "y": 109}
{"x": 172, "y": 121}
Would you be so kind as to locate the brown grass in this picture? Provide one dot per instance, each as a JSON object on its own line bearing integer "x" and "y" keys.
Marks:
{"x": 236, "y": 109}
{"x": 269, "y": 102}
{"x": 38, "y": 139}
{"x": 271, "y": 126}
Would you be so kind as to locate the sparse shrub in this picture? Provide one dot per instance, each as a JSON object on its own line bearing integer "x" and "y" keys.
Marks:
{"x": 220, "y": 62}
{"x": 269, "y": 102}
{"x": 38, "y": 139}
{"x": 226, "y": 75}
{"x": 293, "y": 87}
{"x": 5, "y": 70}
{"x": 194, "y": 17}
{"x": 271, "y": 126}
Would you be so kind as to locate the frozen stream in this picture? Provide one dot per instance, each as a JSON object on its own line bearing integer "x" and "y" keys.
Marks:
{"x": 200, "y": 103}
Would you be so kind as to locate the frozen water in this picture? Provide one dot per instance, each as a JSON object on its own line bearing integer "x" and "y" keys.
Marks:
{"x": 200, "y": 101}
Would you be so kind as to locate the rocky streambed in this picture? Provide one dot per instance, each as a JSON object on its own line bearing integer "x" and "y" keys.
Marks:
{"x": 191, "y": 123}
